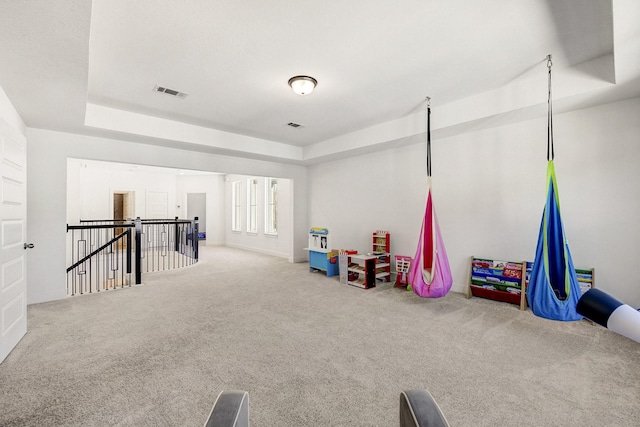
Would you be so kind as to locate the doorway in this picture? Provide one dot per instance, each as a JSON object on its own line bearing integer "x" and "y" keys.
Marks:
{"x": 123, "y": 205}
{"x": 197, "y": 207}
{"x": 122, "y": 209}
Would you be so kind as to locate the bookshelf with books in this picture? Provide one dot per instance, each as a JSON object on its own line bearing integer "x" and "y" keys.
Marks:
{"x": 498, "y": 280}
{"x": 507, "y": 281}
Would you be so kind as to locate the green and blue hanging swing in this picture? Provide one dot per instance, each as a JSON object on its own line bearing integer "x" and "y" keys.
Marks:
{"x": 553, "y": 290}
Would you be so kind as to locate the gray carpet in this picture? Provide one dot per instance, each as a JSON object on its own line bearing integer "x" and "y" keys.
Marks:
{"x": 310, "y": 352}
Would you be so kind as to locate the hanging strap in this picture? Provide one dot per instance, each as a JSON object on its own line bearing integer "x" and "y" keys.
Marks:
{"x": 550, "y": 153}
{"x": 428, "y": 136}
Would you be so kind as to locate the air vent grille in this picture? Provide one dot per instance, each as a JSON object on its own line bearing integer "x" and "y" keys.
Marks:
{"x": 171, "y": 92}
{"x": 295, "y": 125}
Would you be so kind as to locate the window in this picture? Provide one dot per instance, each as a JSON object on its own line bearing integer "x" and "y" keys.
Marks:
{"x": 236, "y": 213}
{"x": 271, "y": 214}
{"x": 252, "y": 205}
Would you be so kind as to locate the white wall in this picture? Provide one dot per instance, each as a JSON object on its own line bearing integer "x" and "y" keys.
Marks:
{"x": 91, "y": 187}
{"x": 489, "y": 192}
{"x": 47, "y": 154}
{"x": 9, "y": 113}
{"x": 274, "y": 245}
{"x": 213, "y": 187}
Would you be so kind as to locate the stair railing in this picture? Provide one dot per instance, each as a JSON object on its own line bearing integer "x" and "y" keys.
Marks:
{"x": 100, "y": 258}
{"x": 112, "y": 254}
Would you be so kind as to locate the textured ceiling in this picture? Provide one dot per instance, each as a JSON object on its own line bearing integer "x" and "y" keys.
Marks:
{"x": 374, "y": 64}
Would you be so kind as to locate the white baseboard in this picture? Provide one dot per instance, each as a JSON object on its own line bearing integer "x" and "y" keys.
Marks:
{"x": 258, "y": 250}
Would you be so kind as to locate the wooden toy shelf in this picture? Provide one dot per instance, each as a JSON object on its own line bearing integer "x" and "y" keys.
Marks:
{"x": 383, "y": 267}
{"x": 364, "y": 270}
{"x": 381, "y": 245}
{"x": 381, "y": 241}
{"x": 361, "y": 271}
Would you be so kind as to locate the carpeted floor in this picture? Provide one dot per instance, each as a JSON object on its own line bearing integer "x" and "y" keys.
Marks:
{"x": 310, "y": 352}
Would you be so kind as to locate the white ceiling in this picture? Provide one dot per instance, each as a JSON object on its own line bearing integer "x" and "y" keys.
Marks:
{"x": 90, "y": 67}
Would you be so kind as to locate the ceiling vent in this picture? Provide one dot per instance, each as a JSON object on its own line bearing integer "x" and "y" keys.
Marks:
{"x": 171, "y": 92}
{"x": 295, "y": 125}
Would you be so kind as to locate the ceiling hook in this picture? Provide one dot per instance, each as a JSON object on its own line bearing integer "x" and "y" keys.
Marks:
{"x": 428, "y": 101}
{"x": 549, "y": 63}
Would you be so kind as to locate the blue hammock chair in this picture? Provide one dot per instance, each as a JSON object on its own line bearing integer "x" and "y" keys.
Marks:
{"x": 553, "y": 290}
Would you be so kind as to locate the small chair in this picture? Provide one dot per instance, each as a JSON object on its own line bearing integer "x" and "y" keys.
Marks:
{"x": 417, "y": 409}
{"x": 231, "y": 409}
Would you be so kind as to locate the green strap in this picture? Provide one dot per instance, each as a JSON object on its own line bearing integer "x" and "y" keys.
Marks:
{"x": 551, "y": 179}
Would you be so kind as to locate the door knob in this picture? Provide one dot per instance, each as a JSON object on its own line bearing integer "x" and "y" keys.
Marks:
{"x": 29, "y": 245}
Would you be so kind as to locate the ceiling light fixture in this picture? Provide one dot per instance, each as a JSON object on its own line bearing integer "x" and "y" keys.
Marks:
{"x": 302, "y": 85}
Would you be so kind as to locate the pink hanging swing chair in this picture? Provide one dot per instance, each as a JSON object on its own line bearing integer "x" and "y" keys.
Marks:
{"x": 430, "y": 274}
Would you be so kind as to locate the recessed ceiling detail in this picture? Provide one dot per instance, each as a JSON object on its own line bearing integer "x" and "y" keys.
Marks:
{"x": 171, "y": 92}
{"x": 359, "y": 110}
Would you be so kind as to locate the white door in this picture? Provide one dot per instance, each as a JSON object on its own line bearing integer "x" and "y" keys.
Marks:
{"x": 13, "y": 212}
